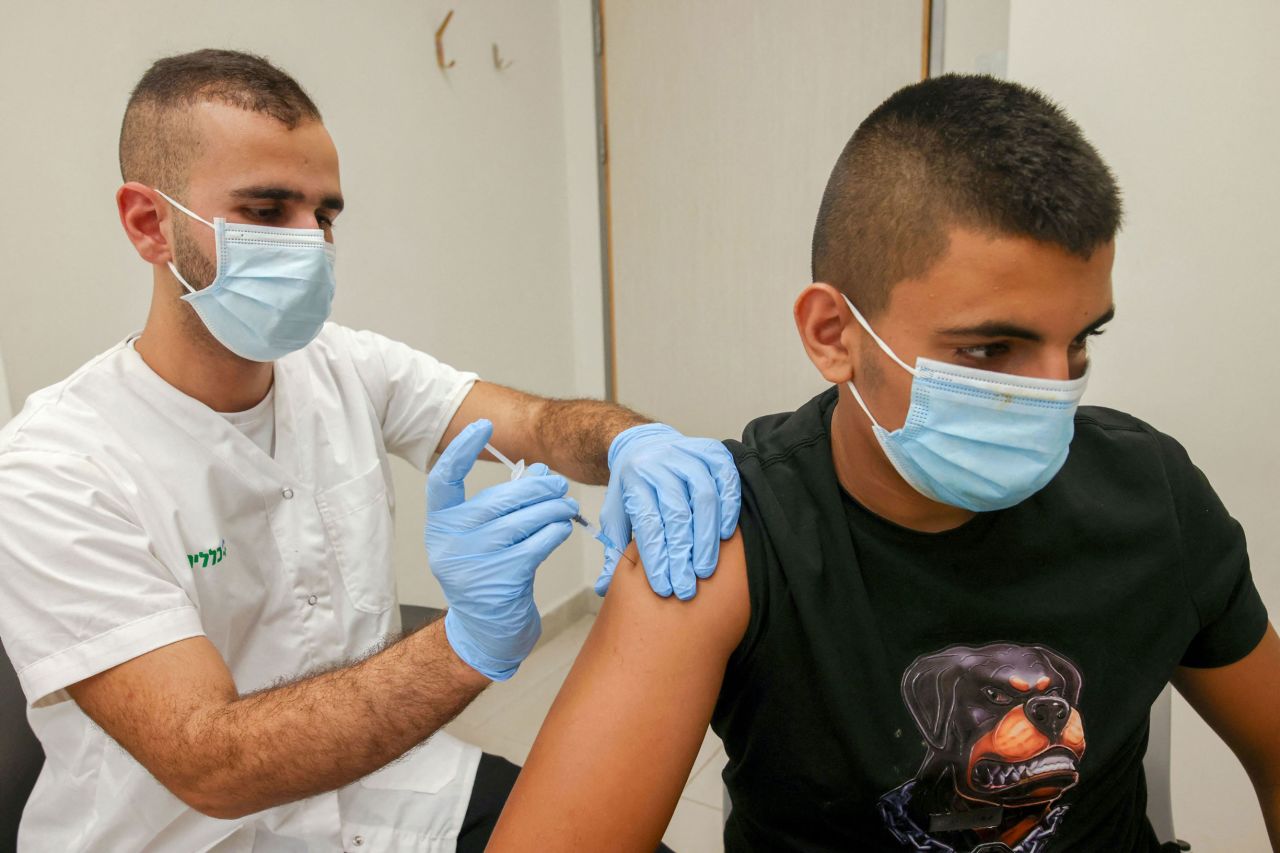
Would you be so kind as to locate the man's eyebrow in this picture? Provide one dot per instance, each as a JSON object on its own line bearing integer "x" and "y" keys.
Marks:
{"x": 331, "y": 202}
{"x": 1002, "y": 329}
{"x": 993, "y": 329}
{"x": 1098, "y": 323}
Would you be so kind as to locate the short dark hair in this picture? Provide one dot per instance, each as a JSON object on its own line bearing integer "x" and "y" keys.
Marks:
{"x": 966, "y": 150}
{"x": 156, "y": 145}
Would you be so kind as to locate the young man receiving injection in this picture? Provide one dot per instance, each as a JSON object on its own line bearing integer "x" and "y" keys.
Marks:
{"x": 954, "y": 595}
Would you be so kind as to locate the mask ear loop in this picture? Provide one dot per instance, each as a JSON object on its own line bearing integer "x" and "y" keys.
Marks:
{"x": 173, "y": 269}
{"x": 857, "y": 315}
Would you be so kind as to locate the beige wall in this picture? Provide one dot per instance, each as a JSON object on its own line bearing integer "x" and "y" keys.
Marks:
{"x": 5, "y": 409}
{"x": 975, "y": 36}
{"x": 461, "y": 203}
{"x": 724, "y": 120}
{"x": 1179, "y": 97}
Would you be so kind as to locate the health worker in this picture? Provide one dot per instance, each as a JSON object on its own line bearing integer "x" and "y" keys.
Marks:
{"x": 196, "y": 584}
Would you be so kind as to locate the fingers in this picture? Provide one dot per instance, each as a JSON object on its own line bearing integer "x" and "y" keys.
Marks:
{"x": 677, "y": 529}
{"x": 445, "y": 487}
{"x": 615, "y": 525}
{"x": 705, "y": 501}
{"x": 641, "y": 502}
{"x": 506, "y": 498}
{"x": 522, "y": 524}
{"x": 542, "y": 542}
{"x": 606, "y": 574}
{"x": 728, "y": 486}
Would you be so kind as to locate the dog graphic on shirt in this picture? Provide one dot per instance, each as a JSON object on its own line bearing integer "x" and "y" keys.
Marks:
{"x": 1004, "y": 740}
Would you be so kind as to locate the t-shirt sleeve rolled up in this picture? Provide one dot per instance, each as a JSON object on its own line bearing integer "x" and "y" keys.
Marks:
{"x": 81, "y": 589}
{"x": 1216, "y": 567}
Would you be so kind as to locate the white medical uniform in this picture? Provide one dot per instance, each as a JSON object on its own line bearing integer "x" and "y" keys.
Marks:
{"x": 133, "y": 516}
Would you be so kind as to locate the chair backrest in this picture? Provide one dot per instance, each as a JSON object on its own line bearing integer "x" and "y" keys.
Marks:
{"x": 20, "y": 754}
{"x": 1156, "y": 763}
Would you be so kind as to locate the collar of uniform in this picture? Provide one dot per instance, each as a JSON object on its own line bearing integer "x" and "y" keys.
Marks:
{"x": 213, "y": 433}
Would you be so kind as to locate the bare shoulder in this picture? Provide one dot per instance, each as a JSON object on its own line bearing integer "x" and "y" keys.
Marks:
{"x": 717, "y": 615}
{"x": 630, "y": 716}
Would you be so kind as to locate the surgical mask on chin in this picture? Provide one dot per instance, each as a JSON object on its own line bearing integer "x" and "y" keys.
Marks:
{"x": 273, "y": 290}
{"x": 978, "y": 439}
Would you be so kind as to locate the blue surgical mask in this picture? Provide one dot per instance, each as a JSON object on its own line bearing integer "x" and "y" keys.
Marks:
{"x": 273, "y": 290}
{"x": 977, "y": 439}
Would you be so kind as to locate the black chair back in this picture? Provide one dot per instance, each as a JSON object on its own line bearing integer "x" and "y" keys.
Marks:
{"x": 20, "y": 754}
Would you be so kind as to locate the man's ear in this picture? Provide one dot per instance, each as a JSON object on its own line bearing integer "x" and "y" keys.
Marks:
{"x": 825, "y": 324}
{"x": 142, "y": 213}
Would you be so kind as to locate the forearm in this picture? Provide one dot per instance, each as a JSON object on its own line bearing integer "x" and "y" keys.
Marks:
{"x": 573, "y": 436}
{"x": 326, "y": 731}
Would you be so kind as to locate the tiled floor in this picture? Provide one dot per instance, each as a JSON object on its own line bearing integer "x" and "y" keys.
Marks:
{"x": 505, "y": 720}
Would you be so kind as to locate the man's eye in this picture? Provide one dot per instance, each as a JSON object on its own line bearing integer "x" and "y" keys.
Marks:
{"x": 263, "y": 212}
{"x": 324, "y": 221}
{"x": 983, "y": 352}
{"x": 1082, "y": 342}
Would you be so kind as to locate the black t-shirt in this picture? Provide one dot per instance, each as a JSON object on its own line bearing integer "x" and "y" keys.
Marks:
{"x": 898, "y": 690}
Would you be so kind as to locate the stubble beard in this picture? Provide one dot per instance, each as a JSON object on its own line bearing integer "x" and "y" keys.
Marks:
{"x": 199, "y": 271}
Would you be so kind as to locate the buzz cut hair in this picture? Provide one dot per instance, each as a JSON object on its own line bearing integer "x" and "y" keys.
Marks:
{"x": 957, "y": 150}
{"x": 157, "y": 136}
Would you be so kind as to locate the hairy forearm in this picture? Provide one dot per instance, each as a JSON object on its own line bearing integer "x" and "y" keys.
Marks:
{"x": 323, "y": 732}
{"x": 574, "y": 436}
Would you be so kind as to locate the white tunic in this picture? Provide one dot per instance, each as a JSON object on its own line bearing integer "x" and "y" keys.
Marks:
{"x": 133, "y": 516}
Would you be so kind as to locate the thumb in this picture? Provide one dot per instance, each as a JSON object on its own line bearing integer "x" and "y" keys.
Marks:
{"x": 445, "y": 482}
{"x": 611, "y": 556}
{"x": 615, "y": 525}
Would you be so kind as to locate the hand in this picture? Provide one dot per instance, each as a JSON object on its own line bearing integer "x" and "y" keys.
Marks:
{"x": 681, "y": 496}
{"x": 484, "y": 551}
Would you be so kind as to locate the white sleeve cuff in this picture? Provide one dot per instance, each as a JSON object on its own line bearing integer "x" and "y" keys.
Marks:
{"x": 438, "y": 427}
{"x": 44, "y": 681}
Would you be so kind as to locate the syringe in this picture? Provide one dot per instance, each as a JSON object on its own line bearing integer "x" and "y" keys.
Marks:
{"x": 517, "y": 471}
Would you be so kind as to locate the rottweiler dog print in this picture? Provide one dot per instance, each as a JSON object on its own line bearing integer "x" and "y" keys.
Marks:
{"x": 1003, "y": 738}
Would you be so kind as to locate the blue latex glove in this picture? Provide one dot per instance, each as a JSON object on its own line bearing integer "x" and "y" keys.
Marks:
{"x": 680, "y": 495}
{"x": 484, "y": 551}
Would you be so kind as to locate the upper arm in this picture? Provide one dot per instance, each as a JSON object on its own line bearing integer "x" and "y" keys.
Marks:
{"x": 1239, "y": 702}
{"x": 616, "y": 748}
{"x": 148, "y": 705}
{"x": 92, "y": 610}
{"x": 514, "y": 415}
{"x": 84, "y": 586}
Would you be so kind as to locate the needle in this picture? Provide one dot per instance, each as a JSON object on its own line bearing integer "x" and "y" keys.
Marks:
{"x": 518, "y": 471}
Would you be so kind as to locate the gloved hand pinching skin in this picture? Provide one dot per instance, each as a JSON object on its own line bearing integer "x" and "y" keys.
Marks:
{"x": 680, "y": 495}
{"x": 485, "y": 551}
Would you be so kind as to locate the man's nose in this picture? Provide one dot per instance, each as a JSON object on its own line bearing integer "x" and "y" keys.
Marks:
{"x": 1057, "y": 366}
{"x": 1049, "y": 714}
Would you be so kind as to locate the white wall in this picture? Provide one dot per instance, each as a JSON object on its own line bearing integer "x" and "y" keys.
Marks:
{"x": 724, "y": 120}
{"x": 461, "y": 231}
{"x": 975, "y": 36}
{"x": 5, "y": 411}
{"x": 1179, "y": 98}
